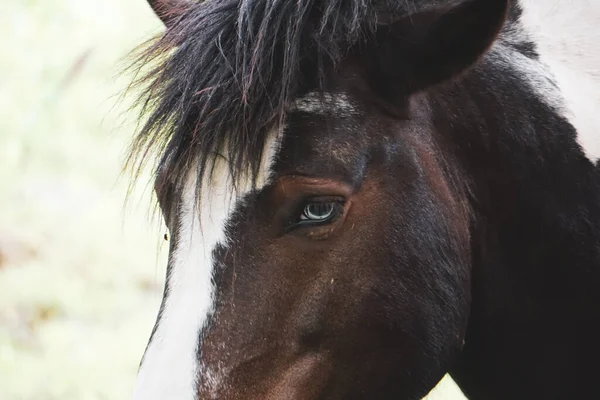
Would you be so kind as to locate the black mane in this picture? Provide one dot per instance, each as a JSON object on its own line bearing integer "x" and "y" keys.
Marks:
{"x": 228, "y": 69}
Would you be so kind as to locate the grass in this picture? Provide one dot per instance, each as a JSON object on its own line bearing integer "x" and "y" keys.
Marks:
{"x": 80, "y": 274}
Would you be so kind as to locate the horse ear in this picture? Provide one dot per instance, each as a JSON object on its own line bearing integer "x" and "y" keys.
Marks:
{"x": 432, "y": 46}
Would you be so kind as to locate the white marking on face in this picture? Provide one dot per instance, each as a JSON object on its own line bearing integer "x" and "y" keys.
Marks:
{"x": 170, "y": 367}
{"x": 566, "y": 35}
{"x": 211, "y": 379}
{"x": 325, "y": 103}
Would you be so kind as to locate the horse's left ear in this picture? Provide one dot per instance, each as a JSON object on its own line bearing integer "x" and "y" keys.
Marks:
{"x": 432, "y": 46}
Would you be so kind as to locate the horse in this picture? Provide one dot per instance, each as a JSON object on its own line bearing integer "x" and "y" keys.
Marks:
{"x": 365, "y": 195}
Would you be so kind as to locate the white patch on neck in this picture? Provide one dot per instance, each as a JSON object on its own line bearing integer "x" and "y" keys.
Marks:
{"x": 538, "y": 76}
{"x": 325, "y": 104}
{"x": 566, "y": 34}
{"x": 170, "y": 367}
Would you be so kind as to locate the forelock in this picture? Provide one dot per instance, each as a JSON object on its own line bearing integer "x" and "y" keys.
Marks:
{"x": 226, "y": 71}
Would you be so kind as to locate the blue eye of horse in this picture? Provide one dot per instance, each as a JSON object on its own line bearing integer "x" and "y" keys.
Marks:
{"x": 321, "y": 211}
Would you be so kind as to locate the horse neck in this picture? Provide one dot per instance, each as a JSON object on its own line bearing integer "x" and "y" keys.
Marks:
{"x": 535, "y": 236}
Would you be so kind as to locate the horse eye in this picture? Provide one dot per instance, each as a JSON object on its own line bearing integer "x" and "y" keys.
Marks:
{"x": 321, "y": 211}
{"x": 316, "y": 211}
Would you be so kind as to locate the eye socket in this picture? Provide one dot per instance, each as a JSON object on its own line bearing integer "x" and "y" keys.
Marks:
{"x": 314, "y": 208}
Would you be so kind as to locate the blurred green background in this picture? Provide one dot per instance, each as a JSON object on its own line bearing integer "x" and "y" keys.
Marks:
{"x": 81, "y": 271}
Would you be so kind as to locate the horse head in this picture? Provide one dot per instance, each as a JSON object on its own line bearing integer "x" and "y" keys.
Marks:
{"x": 320, "y": 223}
